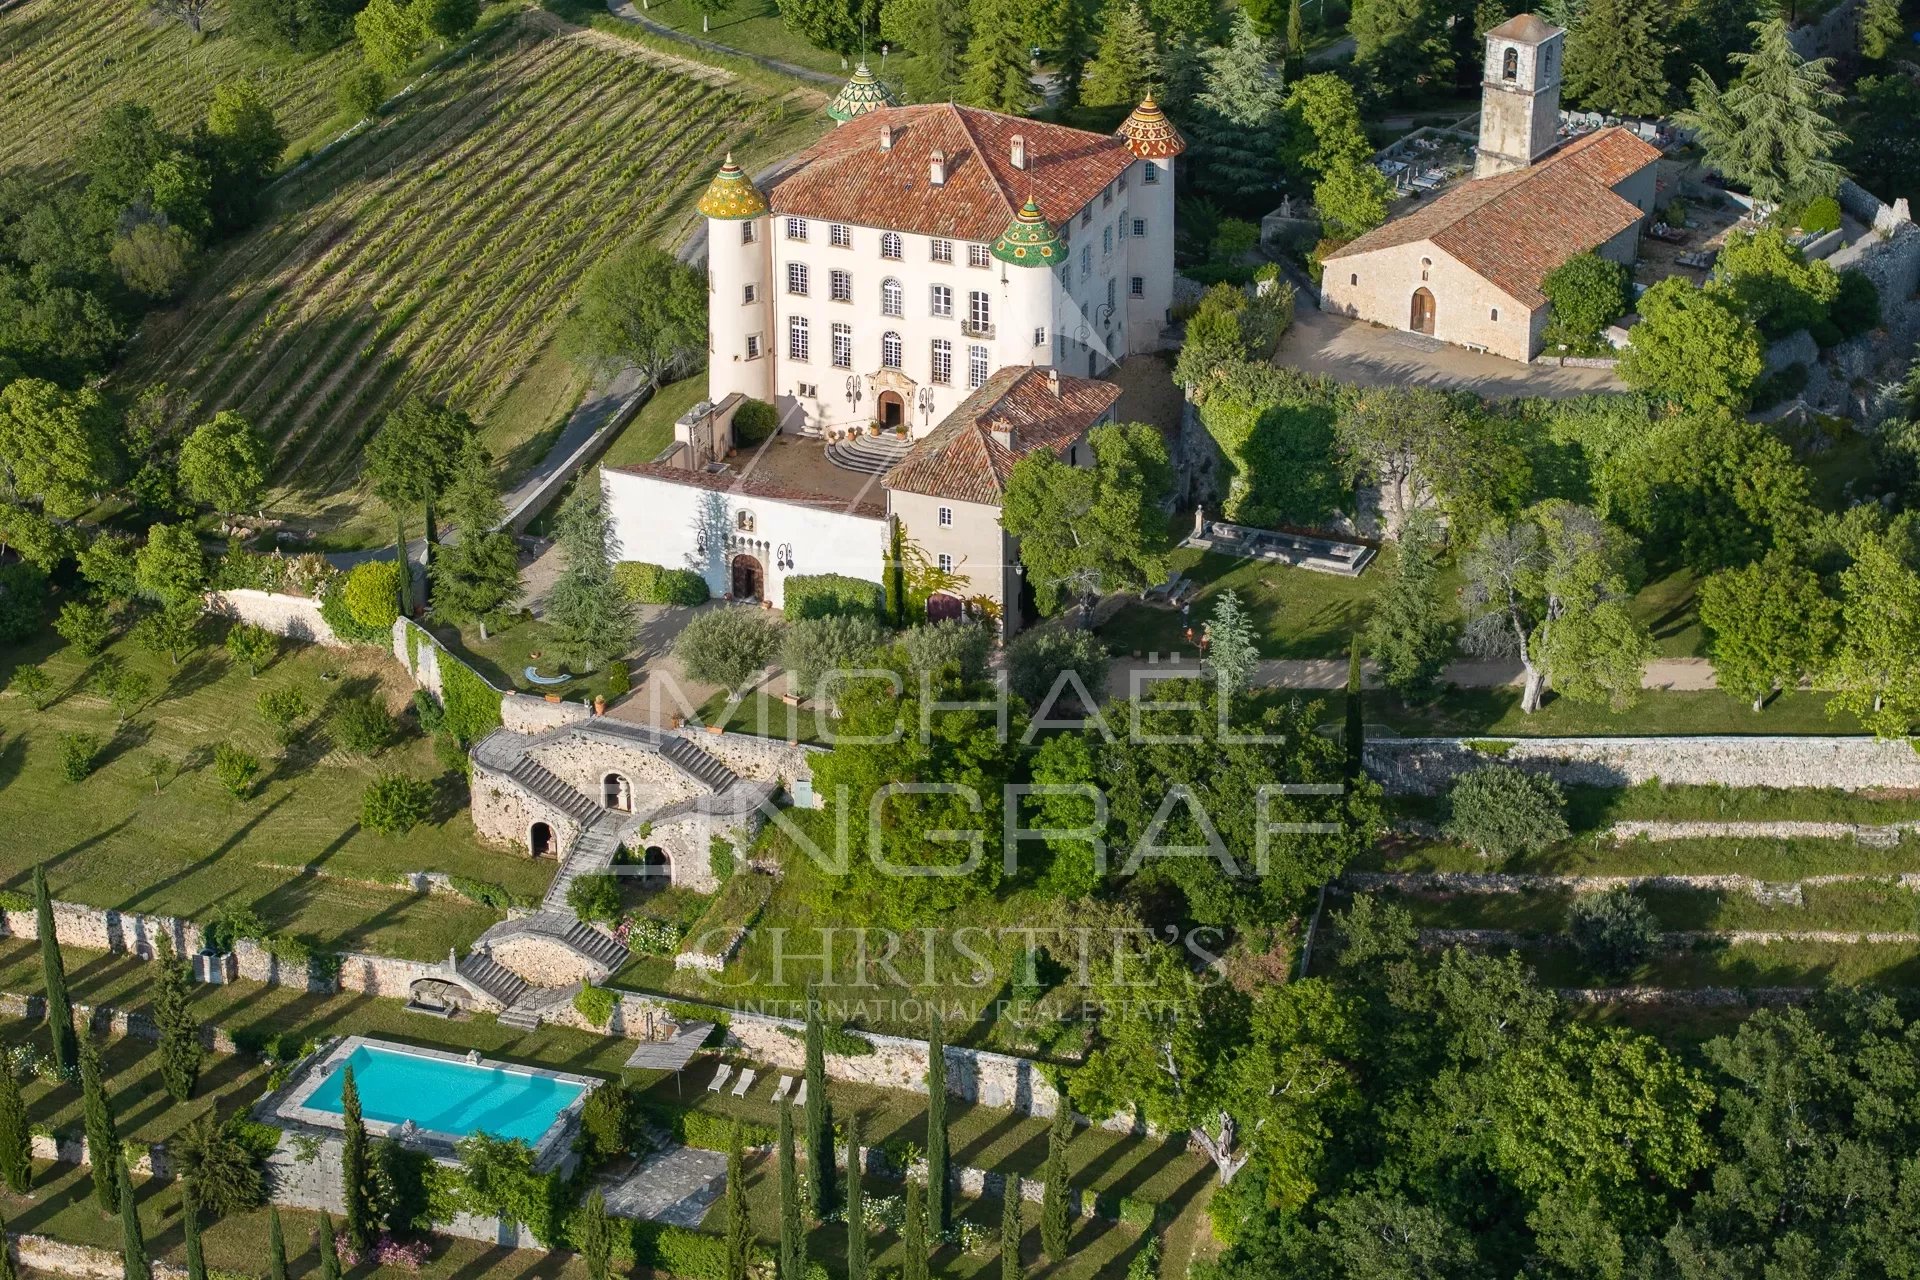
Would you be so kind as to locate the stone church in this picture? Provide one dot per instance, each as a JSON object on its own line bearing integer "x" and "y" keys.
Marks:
{"x": 1467, "y": 267}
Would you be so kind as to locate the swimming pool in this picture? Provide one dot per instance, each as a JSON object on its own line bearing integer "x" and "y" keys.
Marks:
{"x": 445, "y": 1094}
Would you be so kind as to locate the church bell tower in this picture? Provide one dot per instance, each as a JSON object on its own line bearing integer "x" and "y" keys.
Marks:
{"x": 1520, "y": 95}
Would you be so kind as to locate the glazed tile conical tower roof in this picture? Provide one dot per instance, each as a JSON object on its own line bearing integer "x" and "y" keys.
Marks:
{"x": 860, "y": 95}
{"x": 732, "y": 195}
{"x": 1149, "y": 134}
{"x": 1028, "y": 241}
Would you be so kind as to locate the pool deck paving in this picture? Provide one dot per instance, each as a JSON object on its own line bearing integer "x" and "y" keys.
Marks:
{"x": 675, "y": 1186}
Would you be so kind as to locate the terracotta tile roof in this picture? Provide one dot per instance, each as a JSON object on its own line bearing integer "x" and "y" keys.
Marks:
{"x": 964, "y": 459}
{"x": 749, "y": 487}
{"x": 1515, "y": 228}
{"x": 847, "y": 177}
{"x": 1524, "y": 27}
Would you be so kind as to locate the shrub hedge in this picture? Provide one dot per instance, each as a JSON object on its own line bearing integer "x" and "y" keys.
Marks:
{"x": 657, "y": 584}
{"x": 817, "y": 595}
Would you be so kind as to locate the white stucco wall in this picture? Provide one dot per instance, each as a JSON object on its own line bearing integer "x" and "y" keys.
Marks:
{"x": 981, "y": 551}
{"x": 657, "y": 520}
{"x": 1379, "y": 286}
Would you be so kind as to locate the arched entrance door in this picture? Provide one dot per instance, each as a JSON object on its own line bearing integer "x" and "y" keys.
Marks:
{"x": 619, "y": 793}
{"x": 1422, "y": 320}
{"x": 540, "y": 840}
{"x": 747, "y": 577}
{"x": 892, "y": 409}
{"x": 657, "y": 869}
{"x": 942, "y": 606}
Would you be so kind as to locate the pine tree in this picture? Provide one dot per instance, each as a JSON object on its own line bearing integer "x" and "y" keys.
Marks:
{"x": 1772, "y": 129}
{"x": 1126, "y": 62}
{"x": 793, "y": 1233}
{"x": 940, "y": 1201}
{"x": 739, "y": 1218}
{"x": 276, "y": 1246}
{"x": 999, "y": 61}
{"x": 1010, "y": 1226}
{"x": 180, "y": 1048}
{"x": 134, "y": 1263}
{"x": 589, "y": 615}
{"x": 16, "y": 1139}
{"x": 819, "y": 1117}
{"x": 1070, "y": 36}
{"x": 1616, "y": 59}
{"x": 1405, "y": 633}
{"x": 1054, "y": 1190}
{"x": 934, "y": 32}
{"x": 53, "y": 976}
{"x": 1238, "y": 125}
{"x": 329, "y": 1249}
{"x": 913, "y": 1238}
{"x": 190, "y": 1231}
{"x": 1403, "y": 44}
{"x": 1881, "y": 29}
{"x": 103, "y": 1136}
{"x": 477, "y": 577}
{"x": 856, "y": 1204}
{"x": 354, "y": 1173}
{"x": 596, "y": 1236}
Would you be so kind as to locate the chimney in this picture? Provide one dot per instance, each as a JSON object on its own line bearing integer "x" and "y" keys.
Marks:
{"x": 937, "y": 168}
{"x": 886, "y": 137}
{"x": 1053, "y": 382}
{"x": 1019, "y": 150}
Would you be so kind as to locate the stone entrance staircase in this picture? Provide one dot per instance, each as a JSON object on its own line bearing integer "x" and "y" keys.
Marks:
{"x": 869, "y": 455}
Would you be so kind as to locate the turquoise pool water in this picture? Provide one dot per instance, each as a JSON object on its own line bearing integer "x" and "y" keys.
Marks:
{"x": 448, "y": 1097}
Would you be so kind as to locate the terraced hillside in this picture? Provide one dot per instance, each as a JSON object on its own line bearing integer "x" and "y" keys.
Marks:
{"x": 1750, "y": 889}
{"x": 440, "y": 250}
{"x": 62, "y": 64}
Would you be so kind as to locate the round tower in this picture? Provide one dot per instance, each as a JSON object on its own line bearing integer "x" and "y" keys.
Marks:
{"x": 860, "y": 95}
{"x": 1154, "y": 142}
{"x": 739, "y": 286}
{"x": 1028, "y": 250}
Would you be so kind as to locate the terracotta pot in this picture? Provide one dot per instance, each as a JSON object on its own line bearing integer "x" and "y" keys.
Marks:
{"x": 674, "y": 722}
{"x": 553, "y": 697}
{"x": 716, "y": 728}
{"x": 599, "y": 705}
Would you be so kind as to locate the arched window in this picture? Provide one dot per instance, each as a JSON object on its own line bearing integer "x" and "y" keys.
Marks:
{"x": 744, "y": 522}
{"x": 1510, "y": 65}
{"x": 890, "y": 245}
{"x": 893, "y": 299}
{"x": 891, "y": 352}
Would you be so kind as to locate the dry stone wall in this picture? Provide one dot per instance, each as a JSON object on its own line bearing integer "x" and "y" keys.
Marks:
{"x": 504, "y": 812}
{"x": 1425, "y": 766}
{"x": 78, "y": 1261}
{"x": 583, "y": 763}
{"x": 751, "y": 756}
{"x": 524, "y": 713}
{"x": 295, "y": 617}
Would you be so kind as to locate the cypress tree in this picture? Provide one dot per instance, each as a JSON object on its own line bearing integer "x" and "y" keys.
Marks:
{"x": 1126, "y": 62}
{"x": 103, "y": 1136}
{"x": 596, "y": 1237}
{"x": 1010, "y": 1226}
{"x": 134, "y": 1265}
{"x": 276, "y": 1246}
{"x": 53, "y": 974}
{"x": 739, "y": 1223}
{"x": 1053, "y": 1203}
{"x": 190, "y": 1228}
{"x": 6, "y": 1255}
{"x": 819, "y": 1117}
{"x": 940, "y": 1201}
{"x": 914, "y": 1236}
{"x": 1296, "y": 42}
{"x": 329, "y": 1249}
{"x": 16, "y": 1140}
{"x": 353, "y": 1166}
{"x": 1356, "y": 713}
{"x": 856, "y": 1204}
{"x": 180, "y": 1049}
{"x": 793, "y": 1240}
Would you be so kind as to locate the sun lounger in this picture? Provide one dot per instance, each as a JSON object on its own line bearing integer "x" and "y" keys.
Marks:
{"x": 746, "y": 1083}
{"x": 720, "y": 1078}
{"x": 781, "y": 1090}
{"x": 800, "y": 1095}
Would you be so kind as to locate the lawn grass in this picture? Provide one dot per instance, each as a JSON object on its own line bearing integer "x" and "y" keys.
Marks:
{"x": 753, "y": 27}
{"x": 502, "y": 658}
{"x": 1655, "y": 713}
{"x": 1667, "y": 607}
{"x": 1299, "y": 613}
{"x": 1761, "y": 858}
{"x": 293, "y": 852}
{"x": 1866, "y": 907}
{"x": 1597, "y": 808}
{"x": 651, "y": 429}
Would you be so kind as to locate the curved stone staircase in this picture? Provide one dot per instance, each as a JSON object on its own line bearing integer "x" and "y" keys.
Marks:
{"x": 869, "y": 455}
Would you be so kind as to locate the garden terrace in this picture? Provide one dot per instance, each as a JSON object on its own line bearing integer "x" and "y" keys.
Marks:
{"x": 293, "y": 854}
{"x": 68, "y": 63}
{"x": 436, "y": 252}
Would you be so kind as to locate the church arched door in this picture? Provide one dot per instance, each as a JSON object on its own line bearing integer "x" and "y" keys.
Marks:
{"x": 1422, "y": 319}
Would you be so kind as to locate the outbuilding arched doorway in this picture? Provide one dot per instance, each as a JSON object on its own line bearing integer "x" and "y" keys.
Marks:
{"x": 748, "y": 576}
{"x": 1422, "y": 319}
{"x": 656, "y": 868}
{"x": 617, "y": 793}
{"x": 540, "y": 840}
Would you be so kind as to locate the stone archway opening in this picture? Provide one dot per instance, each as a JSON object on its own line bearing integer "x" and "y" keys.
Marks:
{"x": 617, "y": 793}
{"x": 748, "y": 577}
{"x": 1421, "y": 321}
{"x": 540, "y": 840}
{"x": 656, "y": 868}
{"x": 892, "y": 408}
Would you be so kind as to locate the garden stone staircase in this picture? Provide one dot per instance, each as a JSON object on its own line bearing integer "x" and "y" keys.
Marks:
{"x": 540, "y": 780}
{"x": 490, "y": 976}
{"x": 592, "y": 855}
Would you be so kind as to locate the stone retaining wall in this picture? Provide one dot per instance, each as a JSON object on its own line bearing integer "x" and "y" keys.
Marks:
{"x": 751, "y": 756}
{"x": 295, "y": 617}
{"x": 314, "y": 1182}
{"x": 1425, "y": 766}
{"x": 116, "y": 1022}
{"x": 79, "y": 1261}
{"x": 528, "y": 714}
